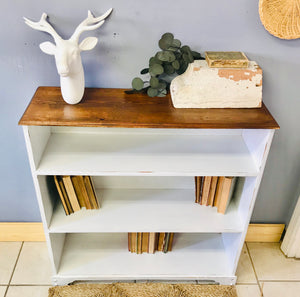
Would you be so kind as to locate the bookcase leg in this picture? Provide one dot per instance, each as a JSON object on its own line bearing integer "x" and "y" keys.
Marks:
{"x": 58, "y": 281}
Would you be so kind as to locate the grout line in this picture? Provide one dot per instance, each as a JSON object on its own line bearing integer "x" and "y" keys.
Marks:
{"x": 258, "y": 283}
{"x": 14, "y": 269}
{"x": 30, "y": 285}
{"x": 280, "y": 281}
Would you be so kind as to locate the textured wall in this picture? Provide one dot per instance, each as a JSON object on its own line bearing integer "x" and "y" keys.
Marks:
{"x": 126, "y": 41}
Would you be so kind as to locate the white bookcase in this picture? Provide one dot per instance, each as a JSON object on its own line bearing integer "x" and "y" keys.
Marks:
{"x": 144, "y": 178}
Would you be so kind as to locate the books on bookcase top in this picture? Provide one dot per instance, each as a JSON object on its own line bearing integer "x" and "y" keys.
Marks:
{"x": 226, "y": 59}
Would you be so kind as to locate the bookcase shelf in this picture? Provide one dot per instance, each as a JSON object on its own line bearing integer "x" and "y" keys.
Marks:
{"x": 141, "y": 210}
{"x": 102, "y": 256}
{"x": 143, "y": 155}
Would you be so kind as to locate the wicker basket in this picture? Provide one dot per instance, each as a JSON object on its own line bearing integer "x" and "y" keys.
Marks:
{"x": 281, "y": 17}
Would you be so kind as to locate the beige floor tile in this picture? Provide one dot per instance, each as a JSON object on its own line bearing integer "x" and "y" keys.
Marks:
{"x": 281, "y": 289}
{"x": 248, "y": 291}
{"x": 27, "y": 291}
{"x": 271, "y": 264}
{"x": 8, "y": 255}
{"x": 2, "y": 291}
{"x": 245, "y": 273}
{"x": 33, "y": 267}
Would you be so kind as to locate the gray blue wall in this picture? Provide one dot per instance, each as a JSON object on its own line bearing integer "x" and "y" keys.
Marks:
{"x": 127, "y": 40}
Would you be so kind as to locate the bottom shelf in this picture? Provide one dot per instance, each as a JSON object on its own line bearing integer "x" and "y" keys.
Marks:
{"x": 105, "y": 256}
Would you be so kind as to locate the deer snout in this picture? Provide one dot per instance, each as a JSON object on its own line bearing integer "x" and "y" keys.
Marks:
{"x": 63, "y": 70}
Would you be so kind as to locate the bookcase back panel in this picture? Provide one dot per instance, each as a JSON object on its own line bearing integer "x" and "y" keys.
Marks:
{"x": 144, "y": 182}
{"x": 147, "y": 210}
{"x": 106, "y": 256}
{"x": 118, "y": 131}
{"x": 145, "y": 152}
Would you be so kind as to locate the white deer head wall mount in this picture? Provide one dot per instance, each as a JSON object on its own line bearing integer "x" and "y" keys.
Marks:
{"x": 67, "y": 53}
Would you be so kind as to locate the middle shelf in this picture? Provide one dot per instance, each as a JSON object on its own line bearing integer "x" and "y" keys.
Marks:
{"x": 144, "y": 210}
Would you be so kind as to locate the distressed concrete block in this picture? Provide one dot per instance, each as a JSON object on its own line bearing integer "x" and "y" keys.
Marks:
{"x": 204, "y": 87}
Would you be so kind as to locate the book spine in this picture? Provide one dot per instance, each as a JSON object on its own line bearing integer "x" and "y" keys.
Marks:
{"x": 212, "y": 191}
{"x": 71, "y": 192}
{"x": 171, "y": 242}
{"x": 152, "y": 242}
{"x": 61, "y": 196}
{"x": 206, "y": 188}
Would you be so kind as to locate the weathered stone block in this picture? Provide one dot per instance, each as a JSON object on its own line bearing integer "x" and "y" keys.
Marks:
{"x": 204, "y": 87}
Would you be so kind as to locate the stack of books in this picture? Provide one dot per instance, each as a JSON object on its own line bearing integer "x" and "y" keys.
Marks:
{"x": 215, "y": 191}
{"x": 76, "y": 192}
{"x": 150, "y": 242}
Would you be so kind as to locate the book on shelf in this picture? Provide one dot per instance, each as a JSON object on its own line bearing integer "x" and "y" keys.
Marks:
{"x": 226, "y": 193}
{"x": 91, "y": 192}
{"x": 161, "y": 238}
{"x": 212, "y": 191}
{"x": 81, "y": 191}
{"x": 152, "y": 242}
{"x": 76, "y": 192}
{"x": 149, "y": 242}
{"x": 219, "y": 191}
{"x": 205, "y": 191}
{"x": 216, "y": 191}
{"x": 71, "y": 192}
{"x": 62, "y": 195}
{"x": 145, "y": 242}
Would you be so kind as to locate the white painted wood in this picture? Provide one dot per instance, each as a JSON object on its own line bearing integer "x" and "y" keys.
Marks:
{"x": 256, "y": 141}
{"x": 291, "y": 241}
{"x": 36, "y": 140}
{"x": 146, "y": 154}
{"x": 35, "y": 150}
{"x": 144, "y": 182}
{"x": 144, "y": 178}
{"x": 145, "y": 210}
{"x": 252, "y": 185}
{"x": 48, "y": 195}
{"x": 56, "y": 244}
{"x": 144, "y": 131}
{"x": 105, "y": 256}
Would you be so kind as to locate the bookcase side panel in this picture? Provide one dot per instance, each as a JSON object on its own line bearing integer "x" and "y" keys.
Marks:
{"x": 252, "y": 183}
{"x": 56, "y": 247}
{"x": 257, "y": 142}
{"x": 36, "y": 138}
{"x": 48, "y": 196}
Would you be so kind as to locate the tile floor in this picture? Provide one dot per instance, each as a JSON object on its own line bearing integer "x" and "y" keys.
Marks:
{"x": 263, "y": 271}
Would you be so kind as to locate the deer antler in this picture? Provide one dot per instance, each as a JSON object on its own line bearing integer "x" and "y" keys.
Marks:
{"x": 90, "y": 23}
{"x": 43, "y": 25}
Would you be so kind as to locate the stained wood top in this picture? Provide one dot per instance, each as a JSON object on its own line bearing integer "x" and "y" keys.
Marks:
{"x": 114, "y": 108}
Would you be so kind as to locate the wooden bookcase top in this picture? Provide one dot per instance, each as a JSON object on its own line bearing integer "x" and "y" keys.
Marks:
{"x": 114, "y": 108}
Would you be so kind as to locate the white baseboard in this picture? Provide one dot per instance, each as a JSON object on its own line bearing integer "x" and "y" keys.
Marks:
{"x": 35, "y": 232}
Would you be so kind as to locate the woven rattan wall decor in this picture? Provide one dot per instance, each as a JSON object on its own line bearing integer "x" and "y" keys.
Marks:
{"x": 281, "y": 17}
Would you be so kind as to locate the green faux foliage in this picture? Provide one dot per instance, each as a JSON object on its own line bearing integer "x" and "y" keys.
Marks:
{"x": 172, "y": 60}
